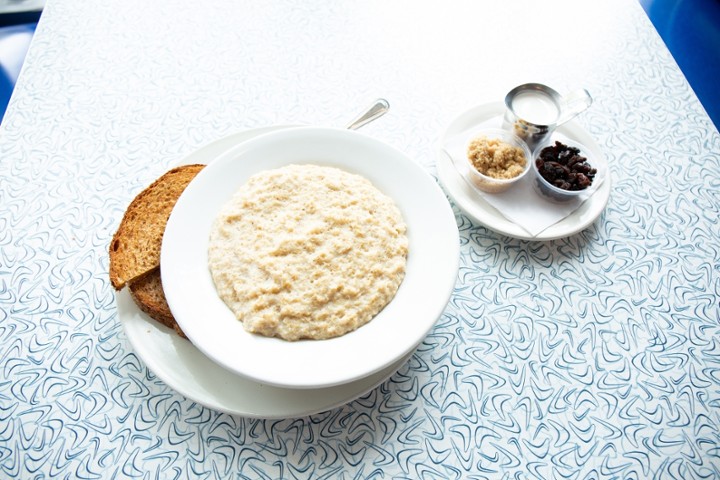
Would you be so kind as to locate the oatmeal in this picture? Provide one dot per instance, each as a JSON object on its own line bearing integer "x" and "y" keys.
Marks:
{"x": 307, "y": 252}
{"x": 497, "y": 159}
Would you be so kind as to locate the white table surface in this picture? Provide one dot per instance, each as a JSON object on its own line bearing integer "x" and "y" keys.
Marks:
{"x": 593, "y": 356}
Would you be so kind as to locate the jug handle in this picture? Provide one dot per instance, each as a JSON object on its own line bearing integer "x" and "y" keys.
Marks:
{"x": 574, "y": 103}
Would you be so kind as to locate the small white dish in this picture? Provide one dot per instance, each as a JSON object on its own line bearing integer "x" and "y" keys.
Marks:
{"x": 179, "y": 364}
{"x": 478, "y": 209}
{"x": 393, "y": 334}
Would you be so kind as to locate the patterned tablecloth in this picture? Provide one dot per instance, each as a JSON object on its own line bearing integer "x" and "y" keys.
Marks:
{"x": 591, "y": 356}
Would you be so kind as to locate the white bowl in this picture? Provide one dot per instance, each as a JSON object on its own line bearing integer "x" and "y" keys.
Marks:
{"x": 397, "y": 330}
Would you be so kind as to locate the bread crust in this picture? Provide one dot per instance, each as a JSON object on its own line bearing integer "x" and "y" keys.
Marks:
{"x": 148, "y": 294}
{"x": 135, "y": 248}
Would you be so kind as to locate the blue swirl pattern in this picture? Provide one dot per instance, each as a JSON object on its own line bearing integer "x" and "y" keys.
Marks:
{"x": 594, "y": 356}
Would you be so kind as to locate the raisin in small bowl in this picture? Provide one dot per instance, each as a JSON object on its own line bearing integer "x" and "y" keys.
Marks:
{"x": 565, "y": 170}
{"x": 496, "y": 160}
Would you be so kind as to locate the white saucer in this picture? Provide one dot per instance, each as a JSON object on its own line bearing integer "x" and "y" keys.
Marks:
{"x": 186, "y": 370}
{"x": 475, "y": 207}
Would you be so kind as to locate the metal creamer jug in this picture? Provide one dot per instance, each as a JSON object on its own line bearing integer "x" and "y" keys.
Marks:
{"x": 533, "y": 111}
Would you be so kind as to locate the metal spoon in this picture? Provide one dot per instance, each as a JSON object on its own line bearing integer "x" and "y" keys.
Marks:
{"x": 377, "y": 110}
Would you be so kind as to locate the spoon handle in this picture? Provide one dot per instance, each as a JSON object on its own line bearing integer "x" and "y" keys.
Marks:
{"x": 377, "y": 110}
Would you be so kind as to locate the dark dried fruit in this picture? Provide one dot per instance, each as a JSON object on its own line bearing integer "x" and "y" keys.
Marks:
{"x": 563, "y": 166}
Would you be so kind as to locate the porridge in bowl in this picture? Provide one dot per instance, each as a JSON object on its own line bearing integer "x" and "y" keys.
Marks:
{"x": 307, "y": 252}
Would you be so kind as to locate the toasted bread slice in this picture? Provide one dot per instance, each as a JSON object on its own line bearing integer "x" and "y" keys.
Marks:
{"x": 149, "y": 296}
{"x": 135, "y": 247}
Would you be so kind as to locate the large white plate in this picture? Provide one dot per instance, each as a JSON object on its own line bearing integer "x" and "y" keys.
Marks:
{"x": 185, "y": 369}
{"x": 394, "y": 333}
{"x": 472, "y": 203}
